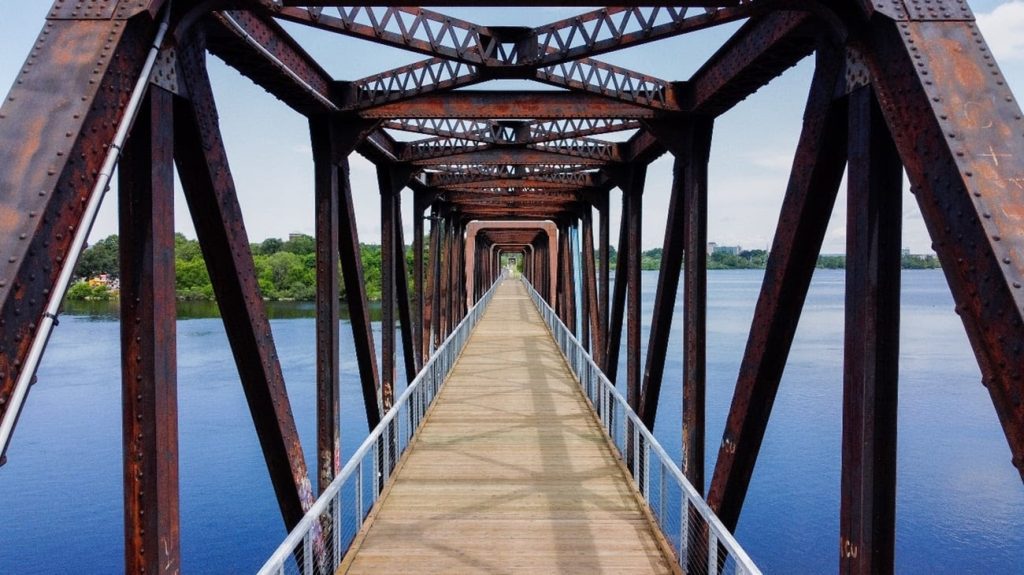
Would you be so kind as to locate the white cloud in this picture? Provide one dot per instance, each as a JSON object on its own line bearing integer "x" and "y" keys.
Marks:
{"x": 1003, "y": 28}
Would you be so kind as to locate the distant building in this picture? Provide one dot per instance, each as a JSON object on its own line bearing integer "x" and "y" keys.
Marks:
{"x": 711, "y": 247}
{"x": 295, "y": 236}
{"x": 730, "y": 250}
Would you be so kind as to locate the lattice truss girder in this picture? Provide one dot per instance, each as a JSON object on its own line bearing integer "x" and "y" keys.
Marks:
{"x": 464, "y": 53}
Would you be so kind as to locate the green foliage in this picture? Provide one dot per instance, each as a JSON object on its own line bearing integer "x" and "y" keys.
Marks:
{"x": 832, "y": 262}
{"x": 81, "y": 290}
{"x": 370, "y": 255}
{"x": 758, "y": 259}
{"x": 916, "y": 262}
{"x": 100, "y": 258}
{"x": 745, "y": 260}
{"x": 285, "y": 270}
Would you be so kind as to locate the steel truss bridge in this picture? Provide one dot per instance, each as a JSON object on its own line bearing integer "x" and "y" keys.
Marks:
{"x": 898, "y": 85}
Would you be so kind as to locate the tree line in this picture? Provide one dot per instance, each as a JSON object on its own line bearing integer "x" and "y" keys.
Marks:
{"x": 758, "y": 259}
{"x": 285, "y": 269}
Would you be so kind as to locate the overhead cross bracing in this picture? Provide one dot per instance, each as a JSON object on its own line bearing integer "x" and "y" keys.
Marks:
{"x": 898, "y": 85}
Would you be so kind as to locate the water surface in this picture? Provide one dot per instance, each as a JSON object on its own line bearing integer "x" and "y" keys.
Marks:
{"x": 960, "y": 505}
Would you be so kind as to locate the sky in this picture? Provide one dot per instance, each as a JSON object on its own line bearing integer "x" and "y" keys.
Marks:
{"x": 753, "y": 147}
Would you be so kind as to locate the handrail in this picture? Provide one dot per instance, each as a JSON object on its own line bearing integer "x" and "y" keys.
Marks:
{"x": 319, "y": 541}
{"x": 701, "y": 542}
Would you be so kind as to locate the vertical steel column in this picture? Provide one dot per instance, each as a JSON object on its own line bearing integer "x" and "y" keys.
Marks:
{"x": 591, "y": 305}
{"x": 875, "y": 185}
{"x": 957, "y": 126}
{"x": 387, "y": 290}
{"x": 327, "y": 306}
{"x": 603, "y": 246}
{"x": 460, "y": 270}
{"x": 618, "y": 302}
{"x": 570, "y": 279}
{"x": 560, "y": 277}
{"x": 148, "y": 362}
{"x": 355, "y": 295}
{"x": 436, "y": 239}
{"x": 635, "y": 220}
{"x": 418, "y": 283}
{"x": 695, "y": 196}
{"x": 446, "y": 269}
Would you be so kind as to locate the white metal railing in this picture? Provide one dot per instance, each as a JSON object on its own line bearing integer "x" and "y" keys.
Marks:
{"x": 700, "y": 541}
{"x": 319, "y": 542}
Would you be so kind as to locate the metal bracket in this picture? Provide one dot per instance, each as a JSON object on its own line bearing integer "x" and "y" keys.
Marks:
{"x": 857, "y": 74}
{"x": 891, "y": 8}
{"x": 165, "y": 71}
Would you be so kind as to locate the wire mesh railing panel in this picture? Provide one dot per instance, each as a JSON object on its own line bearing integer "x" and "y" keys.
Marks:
{"x": 319, "y": 542}
{"x": 702, "y": 545}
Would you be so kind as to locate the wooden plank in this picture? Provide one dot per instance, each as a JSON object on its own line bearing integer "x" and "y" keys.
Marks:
{"x": 511, "y": 472}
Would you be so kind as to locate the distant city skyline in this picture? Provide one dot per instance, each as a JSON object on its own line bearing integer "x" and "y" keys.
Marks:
{"x": 271, "y": 158}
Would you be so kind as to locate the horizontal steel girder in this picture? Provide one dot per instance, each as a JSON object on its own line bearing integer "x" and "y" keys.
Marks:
{"x": 481, "y": 104}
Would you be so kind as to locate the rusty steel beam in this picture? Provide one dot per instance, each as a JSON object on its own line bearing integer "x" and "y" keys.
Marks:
{"x": 618, "y": 297}
{"x": 261, "y": 50}
{"x": 810, "y": 196}
{"x": 405, "y": 82}
{"x": 665, "y": 295}
{"x": 217, "y": 217}
{"x": 636, "y": 176}
{"x": 695, "y": 197}
{"x": 614, "y": 28}
{"x": 957, "y": 127}
{"x": 417, "y": 30}
{"x": 867, "y": 517}
{"x": 439, "y": 148}
{"x": 582, "y": 148}
{"x": 761, "y": 50}
{"x": 614, "y": 82}
{"x": 446, "y": 276}
{"x": 436, "y": 239}
{"x": 591, "y": 322}
{"x": 442, "y": 75}
{"x": 512, "y": 157}
{"x": 605, "y": 270}
{"x": 512, "y": 131}
{"x": 148, "y": 326}
{"x": 508, "y": 176}
{"x": 55, "y": 126}
{"x": 512, "y": 183}
{"x": 328, "y": 313}
{"x": 358, "y": 305}
{"x": 388, "y": 302}
{"x": 482, "y": 104}
{"x": 411, "y": 355}
{"x": 571, "y": 305}
{"x": 418, "y": 210}
{"x": 435, "y": 34}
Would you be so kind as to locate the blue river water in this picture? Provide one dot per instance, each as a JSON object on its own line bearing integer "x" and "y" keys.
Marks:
{"x": 960, "y": 503}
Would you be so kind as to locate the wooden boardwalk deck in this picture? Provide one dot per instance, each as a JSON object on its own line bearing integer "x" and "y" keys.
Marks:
{"x": 511, "y": 472}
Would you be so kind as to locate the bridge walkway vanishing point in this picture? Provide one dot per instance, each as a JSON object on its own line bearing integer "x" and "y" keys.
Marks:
{"x": 511, "y": 472}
